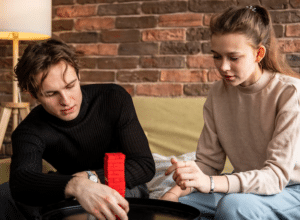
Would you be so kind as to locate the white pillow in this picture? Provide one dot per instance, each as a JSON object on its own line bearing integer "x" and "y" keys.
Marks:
{"x": 161, "y": 183}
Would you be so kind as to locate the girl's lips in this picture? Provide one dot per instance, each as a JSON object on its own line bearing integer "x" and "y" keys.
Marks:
{"x": 229, "y": 77}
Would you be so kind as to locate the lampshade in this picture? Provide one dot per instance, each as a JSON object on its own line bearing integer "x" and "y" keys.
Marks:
{"x": 31, "y": 19}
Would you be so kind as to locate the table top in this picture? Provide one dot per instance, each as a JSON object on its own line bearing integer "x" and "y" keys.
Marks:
{"x": 146, "y": 209}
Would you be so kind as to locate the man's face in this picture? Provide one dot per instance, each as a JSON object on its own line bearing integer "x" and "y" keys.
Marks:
{"x": 60, "y": 92}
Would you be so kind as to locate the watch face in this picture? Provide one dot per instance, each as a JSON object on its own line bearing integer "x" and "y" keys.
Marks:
{"x": 94, "y": 178}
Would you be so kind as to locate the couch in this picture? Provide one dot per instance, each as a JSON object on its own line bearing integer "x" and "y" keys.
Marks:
{"x": 172, "y": 126}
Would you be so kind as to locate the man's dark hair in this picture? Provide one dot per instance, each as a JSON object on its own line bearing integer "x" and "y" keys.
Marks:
{"x": 38, "y": 58}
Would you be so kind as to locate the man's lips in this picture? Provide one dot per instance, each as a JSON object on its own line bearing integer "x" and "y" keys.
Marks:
{"x": 68, "y": 110}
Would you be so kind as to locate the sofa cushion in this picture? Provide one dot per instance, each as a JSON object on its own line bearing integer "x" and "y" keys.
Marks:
{"x": 172, "y": 125}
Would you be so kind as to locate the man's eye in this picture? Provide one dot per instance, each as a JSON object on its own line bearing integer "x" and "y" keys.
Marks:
{"x": 50, "y": 94}
{"x": 70, "y": 86}
{"x": 234, "y": 58}
{"x": 216, "y": 57}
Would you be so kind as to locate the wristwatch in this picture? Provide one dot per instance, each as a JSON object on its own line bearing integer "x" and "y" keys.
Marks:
{"x": 92, "y": 176}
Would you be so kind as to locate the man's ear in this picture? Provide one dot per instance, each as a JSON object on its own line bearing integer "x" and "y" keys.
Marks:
{"x": 260, "y": 54}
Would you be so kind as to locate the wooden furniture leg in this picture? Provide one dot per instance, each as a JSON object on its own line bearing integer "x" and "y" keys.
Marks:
{"x": 7, "y": 109}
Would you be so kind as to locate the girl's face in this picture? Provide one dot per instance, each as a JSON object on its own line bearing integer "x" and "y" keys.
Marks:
{"x": 235, "y": 59}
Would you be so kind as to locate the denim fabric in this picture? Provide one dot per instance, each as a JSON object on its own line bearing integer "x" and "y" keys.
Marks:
{"x": 220, "y": 206}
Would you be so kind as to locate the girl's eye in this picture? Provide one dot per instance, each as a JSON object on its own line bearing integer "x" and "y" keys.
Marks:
{"x": 216, "y": 57}
{"x": 234, "y": 58}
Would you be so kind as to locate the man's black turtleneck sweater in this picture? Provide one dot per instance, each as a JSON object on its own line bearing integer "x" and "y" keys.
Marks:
{"x": 107, "y": 122}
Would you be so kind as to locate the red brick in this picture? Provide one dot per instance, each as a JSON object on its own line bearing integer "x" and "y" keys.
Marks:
{"x": 207, "y": 18}
{"x": 5, "y": 75}
{"x": 6, "y": 87}
{"x": 293, "y": 30}
{"x": 164, "y": 7}
{"x": 119, "y": 9}
{"x": 174, "y": 47}
{"x": 138, "y": 76}
{"x": 138, "y": 49}
{"x": 87, "y": 63}
{"x": 244, "y": 3}
{"x": 289, "y": 46}
{"x": 120, "y": 36}
{"x": 275, "y": 4}
{"x": 97, "y": 76}
{"x": 183, "y": 76}
{"x": 163, "y": 35}
{"x": 136, "y": 22}
{"x": 62, "y": 25}
{"x": 108, "y": 49}
{"x": 94, "y": 1}
{"x": 81, "y": 37}
{"x": 295, "y": 3}
{"x": 181, "y": 20}
{"x": 3, "y": 50}
{"x": 62, "y": 2}
{"x": 5, "y": 42}
{"x": 117, "y": 63}
{"x": 162, "y": 62}
{"x": 159, "y": 89}
{"x": 94, "y": 23}
{"x": 76, "y": 11}
{"x": 97, "y": 49}
{"x": 201, "y": 61}
{"x": 209, "y": 6}
{"x": 6, "y": 63}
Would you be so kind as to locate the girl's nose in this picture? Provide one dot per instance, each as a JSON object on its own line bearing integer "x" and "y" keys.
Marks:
{"x": 225, "y": 65}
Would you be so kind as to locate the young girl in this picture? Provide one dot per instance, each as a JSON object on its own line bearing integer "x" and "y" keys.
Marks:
{"x": 253, "y": 117}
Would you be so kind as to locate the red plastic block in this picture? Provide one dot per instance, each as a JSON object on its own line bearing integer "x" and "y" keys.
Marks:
{"x": 114, "y": 171}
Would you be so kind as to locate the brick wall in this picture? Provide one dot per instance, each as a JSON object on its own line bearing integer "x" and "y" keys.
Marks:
{"x": 150, "y": 47}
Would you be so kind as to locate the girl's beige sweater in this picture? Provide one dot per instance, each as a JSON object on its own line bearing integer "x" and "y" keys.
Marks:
{"x": 258, "y": 128}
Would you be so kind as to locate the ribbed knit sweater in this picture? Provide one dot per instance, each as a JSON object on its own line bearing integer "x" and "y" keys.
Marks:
{"x": 258, "y": 128}
{"x": 107, "y": 122}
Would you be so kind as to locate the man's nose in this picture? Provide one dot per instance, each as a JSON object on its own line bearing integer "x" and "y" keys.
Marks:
{"x": 65, "y": 99}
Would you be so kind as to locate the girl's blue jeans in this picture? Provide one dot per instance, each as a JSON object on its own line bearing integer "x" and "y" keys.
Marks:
{"x": 241, "y": 206}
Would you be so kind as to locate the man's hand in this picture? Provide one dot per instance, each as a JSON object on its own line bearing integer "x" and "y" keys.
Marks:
{"x": 97, "y": 199}
{"x": 85, "y": 175}
{"x": 188, "y": 174}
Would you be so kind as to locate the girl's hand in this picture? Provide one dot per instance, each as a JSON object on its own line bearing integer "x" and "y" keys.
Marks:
{"x": 188, "y": 174}
{"x": 169, "y": 196}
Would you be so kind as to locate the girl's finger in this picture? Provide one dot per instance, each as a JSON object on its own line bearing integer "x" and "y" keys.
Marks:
{"x": 170, "y": 169}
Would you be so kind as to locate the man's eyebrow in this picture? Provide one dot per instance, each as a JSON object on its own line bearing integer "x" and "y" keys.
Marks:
{"x": 50, "y": 91}
{"x": 72, "y": 82}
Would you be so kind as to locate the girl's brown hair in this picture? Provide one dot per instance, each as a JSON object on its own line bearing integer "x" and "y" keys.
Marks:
{"x": 39, "y": 58}
{"x": 256, "y": 24}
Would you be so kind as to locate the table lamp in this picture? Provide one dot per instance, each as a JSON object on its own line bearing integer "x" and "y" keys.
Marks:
{"x": 21, "y": 20}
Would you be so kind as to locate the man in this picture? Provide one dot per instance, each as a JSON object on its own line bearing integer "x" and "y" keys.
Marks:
{"x": 72, "y": 129}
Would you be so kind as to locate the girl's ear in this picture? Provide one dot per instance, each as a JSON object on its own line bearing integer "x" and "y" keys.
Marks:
{"x": 261, "y": 52}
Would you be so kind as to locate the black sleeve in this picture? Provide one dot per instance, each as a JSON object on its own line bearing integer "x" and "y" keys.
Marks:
{"x": 139, "y": 163}
{"x": 27, "y": 182}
